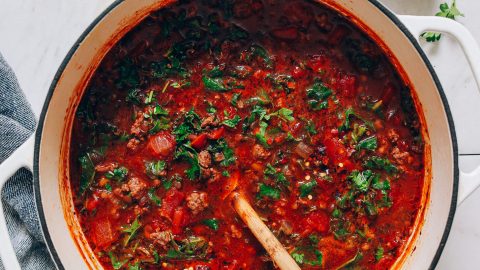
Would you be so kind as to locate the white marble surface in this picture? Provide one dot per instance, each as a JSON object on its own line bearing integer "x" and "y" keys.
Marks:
{"x": 35, "y": 36}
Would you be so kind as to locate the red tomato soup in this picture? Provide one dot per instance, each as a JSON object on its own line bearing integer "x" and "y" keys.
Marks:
{"x": 286, "y": 98}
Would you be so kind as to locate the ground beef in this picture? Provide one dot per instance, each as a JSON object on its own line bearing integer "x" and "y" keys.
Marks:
{"x": 106, "y": 166}
{"x": 209, "y": 121}
{"x": 219, "y": 157}
{"x": 139, "y": 128}
{"x": 197, "y": 202}
{"x": 205, "y": 159}
{"x": 400, "y": 157}
{"x": 259, "y": 152}
{"x": 136, "y": 186}
{"x": 162, "y": 238}
{"x": 392, "y": 135}
{"x": 133, "y": 143}
{"x": 210, "y": 174}
{"x": 236, "y": 233}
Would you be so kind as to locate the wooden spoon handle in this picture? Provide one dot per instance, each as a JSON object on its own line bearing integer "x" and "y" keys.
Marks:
{"x": 271, "y": 244}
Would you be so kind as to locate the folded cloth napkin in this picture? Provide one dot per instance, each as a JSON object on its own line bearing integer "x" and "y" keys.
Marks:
{"x": 17, "y": 123}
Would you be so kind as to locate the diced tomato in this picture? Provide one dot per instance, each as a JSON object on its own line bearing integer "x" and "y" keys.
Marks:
{"x": 199, "y": 141}
{"x": 337, "y": 153}
{"x": 171, "y": 201}
{"x": 92, "y": 203}
{"x": 347, "y": 84}
{"x": 103, "y": 234}
{"x": 317, "y": 221}
{"x": 298, "y": 72}
{"x": 177, "y": 220}
{"x": 162, "y": 144}
{"x": 319, "y": 63}
{"x": 289, "y": 33}
{"x": 217, "y": 133}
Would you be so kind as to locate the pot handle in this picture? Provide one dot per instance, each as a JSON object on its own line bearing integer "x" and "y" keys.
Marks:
{"x": 417, "y": 25}
{"x": 21, "y": 158}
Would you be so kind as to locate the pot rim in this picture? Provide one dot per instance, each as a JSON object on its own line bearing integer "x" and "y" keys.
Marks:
{"x": 387, "y": 12}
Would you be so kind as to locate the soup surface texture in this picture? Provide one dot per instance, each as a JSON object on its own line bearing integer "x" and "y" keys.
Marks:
{"x": 287, "y": 101}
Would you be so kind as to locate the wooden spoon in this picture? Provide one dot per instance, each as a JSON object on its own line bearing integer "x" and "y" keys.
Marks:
{"x": 263, "y": 234}
{"x": 271, "y": 244}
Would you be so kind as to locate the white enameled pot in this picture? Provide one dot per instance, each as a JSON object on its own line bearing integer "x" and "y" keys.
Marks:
{"x": 47, "y": 152}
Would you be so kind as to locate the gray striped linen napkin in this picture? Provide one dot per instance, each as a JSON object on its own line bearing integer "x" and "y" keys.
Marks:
{"x": 17, "y": 123}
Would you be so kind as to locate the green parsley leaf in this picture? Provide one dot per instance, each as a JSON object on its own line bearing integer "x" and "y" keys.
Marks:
{"x": 268, "y": 191}
{"x": 283, "y": 113}
{"x": 379, "y": 254}
{"x": 279, "y": 176}
{"x": 378, "y": 163}
{"x": 154, "y": 197}
{"x": 235, "y": 99}
{"x": 211, "y": 223}
{"x": 369, "y": 143}
{"x": 258, "y": 51}
{"x": 450, "y": 12}
{"x": 88, "y": 172}
{"x": 318, "y": 94}
{"x": 358, "y": 131}
{"x": 116, "y": 264}
{"x": 371, "y": 208}
{"x": 361, "y": 180}
{"x": 131, "y": 230}
{"x": 307, "y": 188}
{"x": 349, "y": 112}
{"x": 228, "y": 153}
{"x": 336, "y": 213}
{"x": 118, "y": 174}
{"x": 108, "y": 187}
{"x": 159, "y": 124}
{"x": 136, "y": 266}
{"x": 232, "y": 122}
{"x": 311, "y": 128}
{"x": 211, "y": 109}
{"x": 151, "y": 96}
{"x": 156, "y": 257}
{"x": 380, "y": 185}
{"x": 155, "y": 169}
{"x": 261, "y": 134}
{"x": 298, "y": 257}
{"x": 158, "y": 110}
{"x": 319, "y": 260}
{"x": 214, "y": 84}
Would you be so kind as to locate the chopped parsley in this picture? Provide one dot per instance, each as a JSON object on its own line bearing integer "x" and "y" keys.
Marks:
{"x": 378, "y": 163}
{"x": 279, "y": 177}
{"x": 131, "y": 230}
{"x": 446, "y": 11}
{"x": 268, "y": 191}
{"x": 211, "y": 223}
{"x": 307, "y": 188}
{"x": 153, "y": 197}
{"x": 369, "y": 143}
{"x": 118, "y": 174}
{"x": 318, "y": 94}
{"x": 232, "y": 122}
